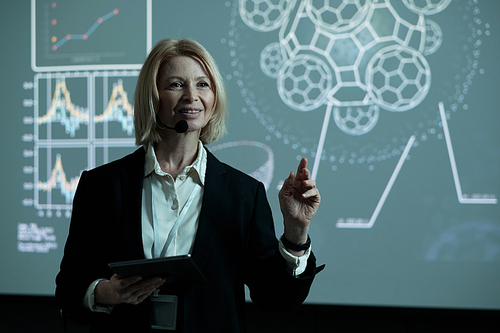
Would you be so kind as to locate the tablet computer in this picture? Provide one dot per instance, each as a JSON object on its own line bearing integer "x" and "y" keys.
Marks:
{"x": 178, "y": 269}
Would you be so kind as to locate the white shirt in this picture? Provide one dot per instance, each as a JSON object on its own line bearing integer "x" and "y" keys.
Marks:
{"x": 169, "y": 196}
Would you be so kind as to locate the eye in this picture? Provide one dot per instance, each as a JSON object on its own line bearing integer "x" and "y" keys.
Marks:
{"x": 174, "y": 85}
{"x": 203, "y": 84}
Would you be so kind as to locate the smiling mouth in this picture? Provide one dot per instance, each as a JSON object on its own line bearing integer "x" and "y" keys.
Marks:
{"x": 190, "y": 111}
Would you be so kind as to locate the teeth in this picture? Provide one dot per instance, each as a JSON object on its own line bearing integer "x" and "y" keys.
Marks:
{"x": 191, "y": 111}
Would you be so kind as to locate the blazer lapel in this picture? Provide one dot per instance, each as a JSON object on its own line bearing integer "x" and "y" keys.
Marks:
{"x": 216, "y": 182}
{"x": 131, "y": 180}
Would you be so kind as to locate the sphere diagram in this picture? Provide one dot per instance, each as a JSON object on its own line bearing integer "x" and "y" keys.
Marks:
{"x": 358, "y": 56}
{"x": 363, "y": 67}
{"x": 352, "y": 59}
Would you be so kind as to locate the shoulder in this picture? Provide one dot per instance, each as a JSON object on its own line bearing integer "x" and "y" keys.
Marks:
{"x": 133, "y": 162}
{"x": 115, "y": 174}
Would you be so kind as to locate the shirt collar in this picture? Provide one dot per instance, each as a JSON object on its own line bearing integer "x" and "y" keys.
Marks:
{"x": 199, "y": 165}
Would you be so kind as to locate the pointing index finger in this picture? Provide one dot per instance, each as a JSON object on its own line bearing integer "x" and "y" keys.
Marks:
{"x": 302, "y": 171}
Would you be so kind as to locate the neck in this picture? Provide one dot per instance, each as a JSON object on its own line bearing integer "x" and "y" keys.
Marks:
{"x": 174, "y": 155}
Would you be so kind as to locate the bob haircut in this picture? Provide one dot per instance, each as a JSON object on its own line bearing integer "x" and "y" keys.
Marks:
{"x": 147, "y": 99}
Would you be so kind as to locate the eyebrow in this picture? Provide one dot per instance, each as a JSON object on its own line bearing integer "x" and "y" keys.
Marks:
{"x": 201, "y": 77}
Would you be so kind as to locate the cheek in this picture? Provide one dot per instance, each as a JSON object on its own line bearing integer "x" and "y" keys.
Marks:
{"x": 210, "y": 102}
{"x": 166, "y": 102}
{"x": 208, "y": 115}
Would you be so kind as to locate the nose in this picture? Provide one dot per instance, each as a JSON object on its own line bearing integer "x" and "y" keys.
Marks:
{"x": 190, "y": 94}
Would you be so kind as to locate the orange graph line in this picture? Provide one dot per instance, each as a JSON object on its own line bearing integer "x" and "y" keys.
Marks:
{"x": 118, "y": 99}
{"x": 58, "y": 179}
{"x": 62, "y": 103}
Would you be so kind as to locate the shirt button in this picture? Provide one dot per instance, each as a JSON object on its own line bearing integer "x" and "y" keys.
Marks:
{"x": 175, "y": 206}
{"x": 182, "y": 178}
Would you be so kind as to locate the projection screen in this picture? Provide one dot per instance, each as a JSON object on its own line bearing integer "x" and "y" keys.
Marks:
{"x": 393, "y": 103}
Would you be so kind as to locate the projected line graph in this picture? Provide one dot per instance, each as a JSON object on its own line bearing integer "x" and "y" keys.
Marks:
{"x": 89, "y": 35}
{"x": 62, "y": 110}
{"x": 462, "y": 198}
{"x": 58, "y": 180}
{"x": 56, "y": 172}
{"x": 85, "y": 35}
{"x": 119, "y": 109}
{"x": 78, "y": 137}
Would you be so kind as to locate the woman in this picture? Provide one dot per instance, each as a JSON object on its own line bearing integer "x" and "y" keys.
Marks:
{"x": 173, "y": 197}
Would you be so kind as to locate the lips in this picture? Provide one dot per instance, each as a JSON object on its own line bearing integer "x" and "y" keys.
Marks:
{"x": 189, "y": 110}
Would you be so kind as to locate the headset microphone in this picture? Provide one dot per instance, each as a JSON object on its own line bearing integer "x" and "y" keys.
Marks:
{"x": 180, "y": 127}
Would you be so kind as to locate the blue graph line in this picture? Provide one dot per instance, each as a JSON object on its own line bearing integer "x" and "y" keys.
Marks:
{"x": 88, "y": 33}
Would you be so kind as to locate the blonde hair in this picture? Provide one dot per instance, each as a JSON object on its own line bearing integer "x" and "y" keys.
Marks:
{"x": 147, "y": 100}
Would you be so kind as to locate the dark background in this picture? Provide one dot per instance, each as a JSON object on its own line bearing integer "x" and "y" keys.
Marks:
{"x": 28, "y": 314}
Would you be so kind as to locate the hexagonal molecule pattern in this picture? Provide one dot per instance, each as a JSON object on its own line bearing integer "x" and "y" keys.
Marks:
{"x": 433, "y": 37}
{"x": 304, "y": 81}
{"x": 265, "y": 15}
{"x": 356, "y": 120}
{"x": 337, "y": 16}
{"x": 427, "y": 7}
{"x": 271, "y": 60}
{"x": 398, "y": 78}
{"x": 371, "y": 52}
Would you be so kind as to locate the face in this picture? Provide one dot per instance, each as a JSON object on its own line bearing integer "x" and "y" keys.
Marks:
{"x": 186, "y": 92}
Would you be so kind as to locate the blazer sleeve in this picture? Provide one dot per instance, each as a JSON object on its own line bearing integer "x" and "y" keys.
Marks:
{"x": 104, "y": 228}
{"x": 95, "y": 239}
{"x": 272, "y": 286}
{"x": 78, "y": 270}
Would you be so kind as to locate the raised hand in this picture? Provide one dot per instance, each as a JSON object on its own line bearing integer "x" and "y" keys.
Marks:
{"x": 299, "y": 200}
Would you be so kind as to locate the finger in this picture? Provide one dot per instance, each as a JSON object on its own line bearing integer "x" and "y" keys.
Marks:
{"x": 144, "y": 289}
{"x": 139, "y": 296}
{"x": 302, "y": 171}
{"x": 312, "y": 194}
{"x": 122, "y": 284}
{"x": 143, "y": 297}
{"x": 150, "y": 283}
{"x": 309, "y": 183}
{"x": 302, "y": 165}
{"x": 287, "y": 182}
{"x": 306, "y": 175}
{"x": 129, "y": 281}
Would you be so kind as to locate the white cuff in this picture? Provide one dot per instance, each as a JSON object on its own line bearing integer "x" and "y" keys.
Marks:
{"x": 295, "y": 264}
{"x": 89, "y": 299}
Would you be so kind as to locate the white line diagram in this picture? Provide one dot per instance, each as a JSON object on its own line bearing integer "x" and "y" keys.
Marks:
{"x": 462, "y": 198}
{"x": 356, "y": 58}
{"x": 362, "y": 223}
{"x": 264, "y": 172}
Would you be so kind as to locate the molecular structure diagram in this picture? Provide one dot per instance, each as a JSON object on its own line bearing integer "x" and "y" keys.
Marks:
{"x": 357, "y": 56}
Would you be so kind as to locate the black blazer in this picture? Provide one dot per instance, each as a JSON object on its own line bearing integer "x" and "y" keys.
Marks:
{"x": 235, "y": 245}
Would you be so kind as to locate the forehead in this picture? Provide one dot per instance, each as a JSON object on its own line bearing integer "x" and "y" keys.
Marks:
{"x": 182, "y": 67}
